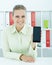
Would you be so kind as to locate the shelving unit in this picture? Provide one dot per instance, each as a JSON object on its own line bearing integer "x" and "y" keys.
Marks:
{"x": 46, "y": 34}
{"x": 40, "y": 18}
{"x": 45, "y": 47}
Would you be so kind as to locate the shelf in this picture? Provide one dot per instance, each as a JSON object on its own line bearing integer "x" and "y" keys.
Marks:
{"x": 46, "y": 29}
{"x": 45, "y": 47}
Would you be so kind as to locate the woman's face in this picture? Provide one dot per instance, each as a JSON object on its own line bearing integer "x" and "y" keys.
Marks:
{"x": 19, "y": 18}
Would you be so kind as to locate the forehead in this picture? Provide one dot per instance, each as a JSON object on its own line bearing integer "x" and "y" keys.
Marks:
{"x": 19, "y": 12}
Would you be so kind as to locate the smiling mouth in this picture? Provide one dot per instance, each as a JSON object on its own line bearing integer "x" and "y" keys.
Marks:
{"x": 20, "y": 23}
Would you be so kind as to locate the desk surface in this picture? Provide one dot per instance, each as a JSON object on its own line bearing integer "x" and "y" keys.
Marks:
{"x": 39, "y": 61}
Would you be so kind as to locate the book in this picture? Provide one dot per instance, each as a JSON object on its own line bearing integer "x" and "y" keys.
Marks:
{"x": 10, "y": 18}
{"x": 33, "y": 19}
{"x": 45, "y": 23}
{"x": 47, "y": 38}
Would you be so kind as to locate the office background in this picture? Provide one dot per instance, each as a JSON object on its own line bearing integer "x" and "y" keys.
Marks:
{"x": 43, "y": 17}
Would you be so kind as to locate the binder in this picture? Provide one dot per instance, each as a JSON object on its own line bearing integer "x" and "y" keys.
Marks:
{"x": 2, "y": 20}
{"x": 7, "y": 19}
{"x": 51, "y": 38}
{"x": 33, "y": 19}
{"x": 45, "y": 23}
{"x": 43, "y": 38}
{"x": 10, "y": 18}
{"x": 28, "y": 18}
{"x": 47, "y": 38}
{"x": 36, "y": 34}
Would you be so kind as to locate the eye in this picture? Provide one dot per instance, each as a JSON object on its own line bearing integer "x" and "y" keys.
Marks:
{"x": 23, "y": 16}
{"x": 17, "y": 16}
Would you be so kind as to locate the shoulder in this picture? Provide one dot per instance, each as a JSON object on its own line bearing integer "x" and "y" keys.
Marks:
{"x": 29, "y": 29}
{"x": 7, "y": 29}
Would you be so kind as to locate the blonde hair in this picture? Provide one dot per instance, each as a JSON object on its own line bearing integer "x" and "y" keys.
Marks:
{"x": 18, "y": 7}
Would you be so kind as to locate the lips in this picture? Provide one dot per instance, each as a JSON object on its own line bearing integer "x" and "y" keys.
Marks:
{"x": 20, "y": 23}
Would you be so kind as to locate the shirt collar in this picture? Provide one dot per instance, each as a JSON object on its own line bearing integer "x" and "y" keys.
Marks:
{"x": 13, "y": 29}
{"x": 24, "y": 29}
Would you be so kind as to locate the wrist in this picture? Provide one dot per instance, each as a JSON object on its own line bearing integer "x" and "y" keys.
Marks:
{"x": 21, "y": 57}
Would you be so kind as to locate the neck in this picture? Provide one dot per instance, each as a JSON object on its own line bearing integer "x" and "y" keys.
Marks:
{"x": 18, "y": 29}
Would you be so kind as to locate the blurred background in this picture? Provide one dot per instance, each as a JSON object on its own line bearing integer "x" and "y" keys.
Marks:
{"x": 40, "y": 11}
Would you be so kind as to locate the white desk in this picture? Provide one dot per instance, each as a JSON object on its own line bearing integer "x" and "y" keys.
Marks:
{"x": 39, "y": 61}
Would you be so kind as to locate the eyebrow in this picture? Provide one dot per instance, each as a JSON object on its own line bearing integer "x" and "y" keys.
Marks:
{"x": 19, "y": 16}
{"x": 23, "y": 16}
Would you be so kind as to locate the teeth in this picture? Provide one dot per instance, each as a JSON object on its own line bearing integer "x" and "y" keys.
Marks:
{"x": 20, "y": 23}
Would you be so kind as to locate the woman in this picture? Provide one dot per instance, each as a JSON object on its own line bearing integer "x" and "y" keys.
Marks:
{"x": 17, "y": 37}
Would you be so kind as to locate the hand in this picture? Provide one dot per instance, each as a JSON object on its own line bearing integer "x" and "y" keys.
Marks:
{"x": 27, "y": 58}
{"x": 33, "y": 45}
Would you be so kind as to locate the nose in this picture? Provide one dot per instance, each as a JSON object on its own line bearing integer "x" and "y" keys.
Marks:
{"x": 20, "y": 19}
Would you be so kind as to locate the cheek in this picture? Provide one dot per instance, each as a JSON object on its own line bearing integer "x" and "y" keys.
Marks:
{"x": 24, "y": 20}
{"x": 16, "y": 20}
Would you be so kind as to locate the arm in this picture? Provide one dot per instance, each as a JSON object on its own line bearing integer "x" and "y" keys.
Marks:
{"x": 6, "y": 49}
{"x": 29, "y": 56}
{"x": 8, "y": 54}
{"x": 34, "y": 47}
{"x": 33, "y": 44}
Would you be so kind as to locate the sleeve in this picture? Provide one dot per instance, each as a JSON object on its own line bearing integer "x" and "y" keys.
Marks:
{"x": 33, "y": 45}
{"x": 6, "y": 49}
{"x": 32, "y": 52}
